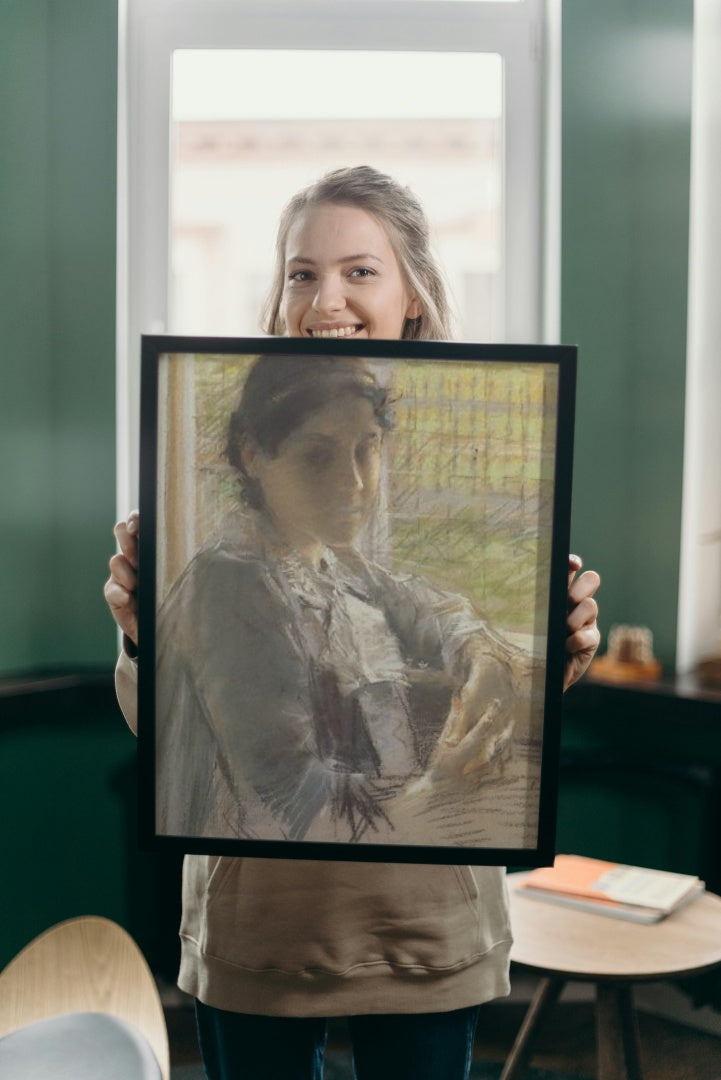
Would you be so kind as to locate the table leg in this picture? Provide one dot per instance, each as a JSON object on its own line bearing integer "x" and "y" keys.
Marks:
{"x": 545, "y": 997}
{"x": 617, "y": 1033}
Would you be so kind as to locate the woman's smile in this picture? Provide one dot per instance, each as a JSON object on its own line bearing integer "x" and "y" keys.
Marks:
{"x": 324, "y": 331}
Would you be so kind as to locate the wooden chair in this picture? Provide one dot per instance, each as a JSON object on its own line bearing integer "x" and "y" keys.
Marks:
{"x": 82, "y": 985}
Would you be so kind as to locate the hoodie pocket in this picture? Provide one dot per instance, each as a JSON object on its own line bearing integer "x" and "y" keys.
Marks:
{"x": 297, "y": 916}
{"x": 468, "y": 884}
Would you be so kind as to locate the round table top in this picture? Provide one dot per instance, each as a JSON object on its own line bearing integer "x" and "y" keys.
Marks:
{"x": 559, "y": 940}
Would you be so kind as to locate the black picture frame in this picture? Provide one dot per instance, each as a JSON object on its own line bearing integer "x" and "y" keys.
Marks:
{"x": 241, "y": 749}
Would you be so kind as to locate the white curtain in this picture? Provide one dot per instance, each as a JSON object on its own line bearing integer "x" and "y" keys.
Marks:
{"x": 700, "y": 582}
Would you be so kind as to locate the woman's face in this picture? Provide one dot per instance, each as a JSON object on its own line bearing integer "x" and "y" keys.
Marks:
{"x": 342, "y": 277}
{"x": 320, "y": 486}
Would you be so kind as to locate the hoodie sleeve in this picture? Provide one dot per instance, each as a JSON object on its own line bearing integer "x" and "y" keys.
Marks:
{"x": 126, "y": 689}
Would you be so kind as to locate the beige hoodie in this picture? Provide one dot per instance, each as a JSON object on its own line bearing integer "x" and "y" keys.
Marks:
{"x": 287, "y": 937}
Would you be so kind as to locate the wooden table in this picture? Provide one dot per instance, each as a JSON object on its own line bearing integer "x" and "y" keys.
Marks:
{"x": 563, "y": 944}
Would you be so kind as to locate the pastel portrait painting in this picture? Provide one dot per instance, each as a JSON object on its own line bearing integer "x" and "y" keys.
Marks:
{"x": 352, "y": 597}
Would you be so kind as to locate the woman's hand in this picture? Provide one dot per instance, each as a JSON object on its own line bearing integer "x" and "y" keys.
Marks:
{"x": 121, "y": 587}
{"x": 480, "y": 719}
{"x": 582, "y": 633}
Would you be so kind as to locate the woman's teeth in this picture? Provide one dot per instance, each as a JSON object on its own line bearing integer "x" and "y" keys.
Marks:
{"x": 336, "y": 332}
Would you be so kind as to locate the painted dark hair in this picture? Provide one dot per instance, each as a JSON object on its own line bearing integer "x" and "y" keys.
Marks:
{"x": 282, "y": 391}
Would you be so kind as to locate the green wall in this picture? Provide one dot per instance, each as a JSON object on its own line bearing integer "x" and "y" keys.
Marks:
{"x": 67, "y": 761}
{"x": 626, "y": 104}
{"x": 68, "y": 802}
{"x": 626, "y": 145}
{"x": 58, "y": 71}
{"x": 626, "y": 136}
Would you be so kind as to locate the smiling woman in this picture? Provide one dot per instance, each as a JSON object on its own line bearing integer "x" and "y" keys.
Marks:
{"x": 353, "y": 259}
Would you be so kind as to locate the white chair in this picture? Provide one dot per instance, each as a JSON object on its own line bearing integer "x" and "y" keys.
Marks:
{"x": 80, "y": 1002}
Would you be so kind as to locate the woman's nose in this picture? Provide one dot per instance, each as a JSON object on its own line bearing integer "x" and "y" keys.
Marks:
{"x": 329, "y": 295}
{"x": 350, "y": 475}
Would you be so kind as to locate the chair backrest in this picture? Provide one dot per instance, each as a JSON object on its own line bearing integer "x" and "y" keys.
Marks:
{"x": 87, "y": 964}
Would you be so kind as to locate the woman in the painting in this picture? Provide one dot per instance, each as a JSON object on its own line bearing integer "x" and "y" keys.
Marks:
{"x": 284, "y": 655}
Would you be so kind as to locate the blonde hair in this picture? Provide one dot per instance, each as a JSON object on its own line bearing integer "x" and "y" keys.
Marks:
{"x": 403, "y": 217}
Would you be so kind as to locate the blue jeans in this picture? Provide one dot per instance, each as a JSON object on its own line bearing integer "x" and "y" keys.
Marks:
{"x": 415, "y": 1046}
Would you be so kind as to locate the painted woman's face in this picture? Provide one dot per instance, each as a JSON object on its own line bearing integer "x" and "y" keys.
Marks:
{"x": 320, "y": 487}
{"x": 342, "y": 277}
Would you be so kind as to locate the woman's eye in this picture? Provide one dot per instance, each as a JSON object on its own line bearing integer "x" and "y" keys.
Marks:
{"x": 362, "y": 272}
{"x": 318, "y": 459}
{"x": 300, "y": 276}
{"x": 369, "y": 448}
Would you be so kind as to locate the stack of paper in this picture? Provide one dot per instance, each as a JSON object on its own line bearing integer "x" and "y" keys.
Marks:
{"x": 608, "y": 888}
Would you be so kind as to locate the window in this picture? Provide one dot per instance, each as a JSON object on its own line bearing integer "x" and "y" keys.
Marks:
{"x": 227, "y": 107}
{"x": 235, "y": 161}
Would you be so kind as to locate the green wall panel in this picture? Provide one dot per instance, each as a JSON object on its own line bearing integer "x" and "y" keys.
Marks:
{"x": 626, "y": 137}
{"x": 58, "y": 75}
{"x": 61, "y": 786}
{"x": 626, "y": 145}
{"x": 641, "y": 778}
{"x": 68, "y": 796}
{"x": 25, "y": 397}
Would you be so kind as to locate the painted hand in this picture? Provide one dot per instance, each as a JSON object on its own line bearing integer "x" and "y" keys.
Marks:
{"x": 480, "y": 719}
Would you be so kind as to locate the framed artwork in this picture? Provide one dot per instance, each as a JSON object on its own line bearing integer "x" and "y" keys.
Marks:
{"x": 352, "y": 597}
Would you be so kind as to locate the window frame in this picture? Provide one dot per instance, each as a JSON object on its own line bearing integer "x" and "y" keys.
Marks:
{"x": 526, "y": 34}
{"x": 698, "y": 632}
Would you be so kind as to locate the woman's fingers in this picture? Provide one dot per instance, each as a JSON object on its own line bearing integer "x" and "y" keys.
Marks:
{"x": 582, "y": 634}
{"x": 123, "y": 572}
{"x": 493, "y": 743}
{"x": 583, "y": 587}
{"x": 121, "y": 587}
{"x": 126, "y": 534}
{"x": 123, "y": 607}
{"x": 575, "y": 562}
{"x": 583, "y": 613}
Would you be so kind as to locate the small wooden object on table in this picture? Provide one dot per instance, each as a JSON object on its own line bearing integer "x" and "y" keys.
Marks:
{"x": 629, "y": 658}
{"x": 562, "y": 944}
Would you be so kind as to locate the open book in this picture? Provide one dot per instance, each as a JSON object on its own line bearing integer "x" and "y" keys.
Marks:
{"x": 608, "y": 888}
